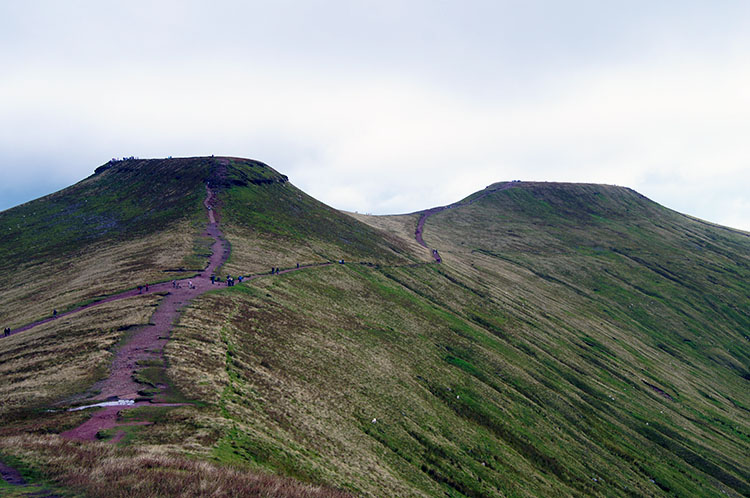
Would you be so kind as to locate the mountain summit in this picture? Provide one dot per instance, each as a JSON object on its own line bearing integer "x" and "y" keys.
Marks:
{"x": 532, "y": 339}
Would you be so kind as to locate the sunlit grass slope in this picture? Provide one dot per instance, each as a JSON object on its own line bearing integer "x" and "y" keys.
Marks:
{"x": 578, "y": 339}
{"x": 123, "y": 226}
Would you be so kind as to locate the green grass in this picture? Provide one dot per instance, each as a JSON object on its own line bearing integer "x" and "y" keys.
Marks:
{"x": 262, "y": 201}
{"x": 119, "y": 228}
{"x": 542, "y": 344}
{"x": 533, "y": 361}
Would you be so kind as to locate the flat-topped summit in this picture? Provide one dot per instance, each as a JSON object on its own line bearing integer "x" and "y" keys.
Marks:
{"x": 533, "y": 338}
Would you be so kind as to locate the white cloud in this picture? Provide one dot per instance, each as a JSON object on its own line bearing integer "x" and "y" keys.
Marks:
{"x": 390, "y": 107}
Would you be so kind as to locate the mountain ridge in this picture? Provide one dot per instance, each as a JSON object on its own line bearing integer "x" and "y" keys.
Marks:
{"x": 575, "y": 339}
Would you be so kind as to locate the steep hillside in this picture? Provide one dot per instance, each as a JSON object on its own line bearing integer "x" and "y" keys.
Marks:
{"x": 129, "y": 223}
{"x": 271, "y": 223}
{"x": 575, "y": 340}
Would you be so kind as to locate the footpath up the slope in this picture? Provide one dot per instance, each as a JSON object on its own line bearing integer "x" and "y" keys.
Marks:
{"x": 148, "y": 343}
{"x": 429, "y": 212}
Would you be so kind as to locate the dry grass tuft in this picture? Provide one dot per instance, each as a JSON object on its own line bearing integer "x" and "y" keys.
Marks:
{"x": 65, "y": 356}
{"x": 100, "y": 470}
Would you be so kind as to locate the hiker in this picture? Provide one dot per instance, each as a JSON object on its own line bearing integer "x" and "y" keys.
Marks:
{"x": 190, "y": 284}
{"x": 240, "y": 278}
{"x": 174, "y": 284}
{"x": 297, "y": 265}
{"x": 6, "y": 332}
{"x": 213, "y": 279}
{"x": 54, "y": 313}
{"x": 146, "y": 287}
{"x": 140, "y": 287}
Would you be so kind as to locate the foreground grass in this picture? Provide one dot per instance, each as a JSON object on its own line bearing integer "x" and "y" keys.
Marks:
{"x": 109, "y": 471}
{"x": 299, "y": 366}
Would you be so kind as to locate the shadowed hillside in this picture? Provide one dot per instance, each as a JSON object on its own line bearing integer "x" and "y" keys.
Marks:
{"x": 576, "y": 340}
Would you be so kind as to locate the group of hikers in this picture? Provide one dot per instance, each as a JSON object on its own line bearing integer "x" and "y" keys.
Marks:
{"x": 230, "y": 280}
{"x": 176, "y": 284}
{"x": 275, "y": 270}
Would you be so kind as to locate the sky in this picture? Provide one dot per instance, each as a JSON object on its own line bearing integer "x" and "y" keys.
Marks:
{"x": 386, "y": 106}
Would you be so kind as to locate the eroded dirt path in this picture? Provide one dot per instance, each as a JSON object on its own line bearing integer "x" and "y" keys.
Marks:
{"x": 219, "y": 255}
{"x": 429, "y": 212}
{"x": 147, "y": 344}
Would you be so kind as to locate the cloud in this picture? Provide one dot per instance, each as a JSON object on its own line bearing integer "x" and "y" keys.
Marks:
{"x": 389, "y": 107}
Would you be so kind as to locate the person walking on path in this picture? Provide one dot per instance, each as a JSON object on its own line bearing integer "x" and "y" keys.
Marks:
{"x": 54, "y": 313}
{"x": 6, "y": 332}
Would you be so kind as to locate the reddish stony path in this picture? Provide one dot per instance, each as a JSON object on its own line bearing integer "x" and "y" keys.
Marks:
{"x": 220, "y": 253}
{"x": 148, "y": 342}
{"x": 429, "y": 212}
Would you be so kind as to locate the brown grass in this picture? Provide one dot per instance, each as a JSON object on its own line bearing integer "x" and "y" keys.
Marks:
{"x": 254, "y": 253}
{"x": 100, "y": 470}
{"x": 66, "y": 356}
{"x": 31, "y": 292}
{"x": 401, "y": 227}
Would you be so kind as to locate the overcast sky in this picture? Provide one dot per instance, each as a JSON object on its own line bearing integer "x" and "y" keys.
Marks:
{"x": 387, "y": 106}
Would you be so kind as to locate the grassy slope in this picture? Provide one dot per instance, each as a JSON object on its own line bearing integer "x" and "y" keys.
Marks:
{"x": 112, "y": 231}
{"x": 516, "y": 367}
{"x": 523, "y": 365}
{"x": 46, "y": 364}
{"x": 271, "y": 223}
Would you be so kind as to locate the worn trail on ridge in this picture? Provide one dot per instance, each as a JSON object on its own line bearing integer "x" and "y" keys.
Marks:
{"x": 429, "y": 212}
{"x": 149, "y": 341}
